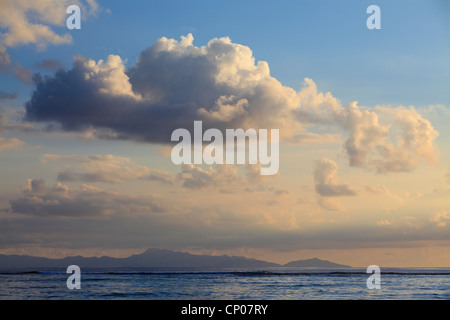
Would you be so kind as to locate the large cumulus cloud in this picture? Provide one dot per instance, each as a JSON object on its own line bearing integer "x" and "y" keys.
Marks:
{"x": 174, "y": 83}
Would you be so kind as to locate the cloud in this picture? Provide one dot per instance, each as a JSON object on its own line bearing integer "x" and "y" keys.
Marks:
{"x": 39, "y": 200}
{"x": 441, "y": 218}
{"x": 87, "y": 217}
{"x": 382, "y": 190}
{"x": 34, "y": 187}
{"x": 175, "y": 83}
{"x": 223, "y": 177}
{"x": 28, "y": 22}
{"x": 228, "y": 179}
{"x": 7, "y": 127}
{"x": 7, "y": 96}
{"x": 448, "y": 176}
{"x": 199, "y": 227}
{"x": 16, "y": 69}
{"x": 24, "y": 22}
{"x": 106, "y": 168}
{"x": 314, "y": 138}
{"x": 49, "y": 65}
{"x": 329, "y": 204}
{"x": 384, "y": 222}
{"x": 326, "y": 182}
{"x": 115, "y": 169}
{"x": 382, "y": 138}
{"x": 414, "y": 141}
{"x": 10, "y": 121}
{"x": 11, "y": 143}
{"x": 5, "y": 60}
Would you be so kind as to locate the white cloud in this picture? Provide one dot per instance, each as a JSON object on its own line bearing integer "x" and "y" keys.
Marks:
{"x": 26, "y": 22}
{"x": 414, "y": 141}
{"x": 329, "y": 204}
{"x": 175, "y": 83}
{"x": 109, "y": 76}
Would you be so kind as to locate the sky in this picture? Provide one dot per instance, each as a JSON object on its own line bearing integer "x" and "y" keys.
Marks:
{"x": 86, "y": 117}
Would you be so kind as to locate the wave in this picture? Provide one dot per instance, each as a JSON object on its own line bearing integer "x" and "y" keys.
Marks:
{"x": 308, "y": 272}
{"x": 18, "y": 272}
{"x": 15, "y": 272}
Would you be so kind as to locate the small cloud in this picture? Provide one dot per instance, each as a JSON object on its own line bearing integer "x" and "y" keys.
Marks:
{"x": 330, "y": 204}
{"x": 30, "y": 22}
{"x": 25, "y": 22}
{"x": 381, "y": 190}
{"x": 224, "y": 177}
{"x": 106, "y": 168}
{"x": 326, "y": 181}
{"x": 158, "y": 175}
{"x": 16, "y": 69}
{"x": 10, "y": 122}
{"x": 12, "y": 143}
{"x": 307, "y": 138}
{"x": 164, "y": 151}
{"x": 67, "y": 176}
{"x": 441, "y": 218}
{"x": 282, "y": 192}
{"x": 87, "y": 134}
{"x": 448, "y": 176}
{"x": 49, "y": 65}
{"x": 7, "y": 96}
{"x": 384, "y": 222}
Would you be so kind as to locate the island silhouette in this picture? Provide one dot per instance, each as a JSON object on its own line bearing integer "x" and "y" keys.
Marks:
{"x": 157, "y": 258}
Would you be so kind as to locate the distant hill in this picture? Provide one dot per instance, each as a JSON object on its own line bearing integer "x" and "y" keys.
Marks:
{"x": 314, "y": 263}
{"x": 154, "y": 258}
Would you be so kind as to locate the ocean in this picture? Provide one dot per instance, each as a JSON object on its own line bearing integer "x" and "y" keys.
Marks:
{"x": 227, "y": 284}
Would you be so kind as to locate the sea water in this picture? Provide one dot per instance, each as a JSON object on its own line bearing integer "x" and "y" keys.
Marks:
{"x": 224, "y": 284}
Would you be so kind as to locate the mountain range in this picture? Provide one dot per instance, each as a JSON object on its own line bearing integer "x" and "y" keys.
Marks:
{"x": 157, "y": 258}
